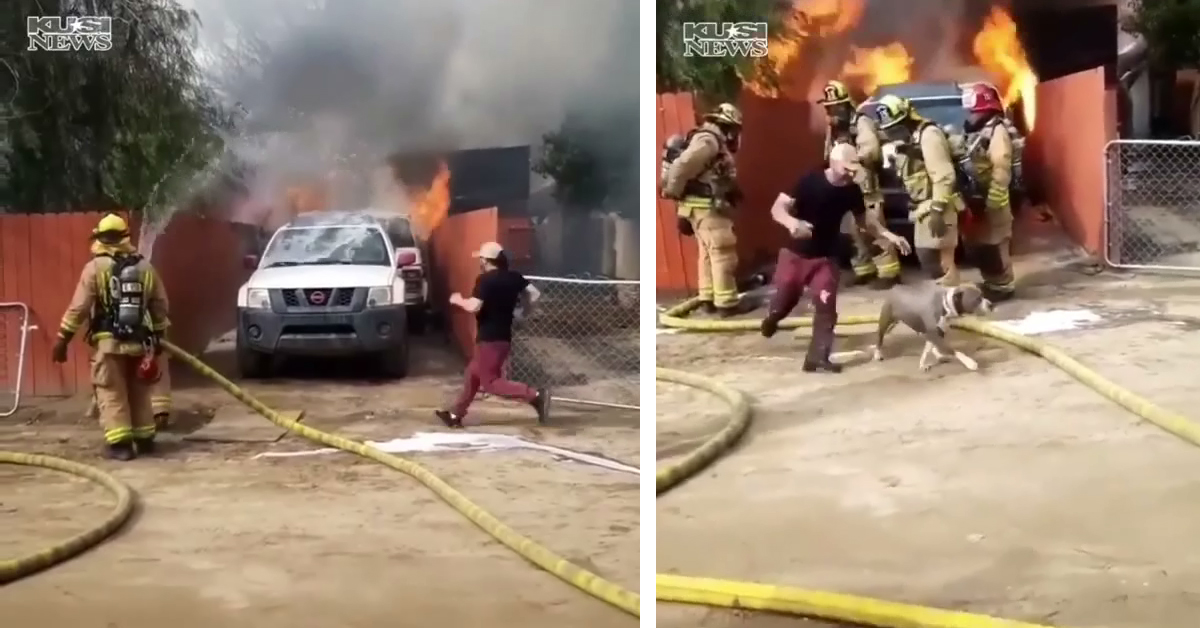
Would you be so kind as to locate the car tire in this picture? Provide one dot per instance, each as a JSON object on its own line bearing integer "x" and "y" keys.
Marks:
{"x": 252, "y": 364}
{"x": 394, "y": 362}
{"x": 418, "y": 320}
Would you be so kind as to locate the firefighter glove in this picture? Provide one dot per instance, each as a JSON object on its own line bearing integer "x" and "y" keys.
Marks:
{"x": 59, "y": 352}
{"x": 684, "y": 226}
{"x": 734, "y": 195}
{"x": 937, "y": 220}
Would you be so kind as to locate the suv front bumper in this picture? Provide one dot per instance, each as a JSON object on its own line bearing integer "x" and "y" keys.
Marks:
{"x": 371, "y": 330}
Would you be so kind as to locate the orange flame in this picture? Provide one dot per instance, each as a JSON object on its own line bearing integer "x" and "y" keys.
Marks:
{"x": 998, "y": 50}
{"x": 429, "y": 207}
{"x": 870, "y": 68}
{"x": 808, "y": 20}
{"x": 822, "y": 18}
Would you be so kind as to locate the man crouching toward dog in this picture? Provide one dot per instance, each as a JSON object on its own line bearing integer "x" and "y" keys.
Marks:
{"x": 812, "y": 213}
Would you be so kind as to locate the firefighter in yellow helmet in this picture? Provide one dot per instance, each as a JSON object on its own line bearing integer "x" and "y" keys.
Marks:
{"x": 701, "y": 177}
{"x": 925, "y": 165}
{"x": 122, "y": 302}
{"x": 989, "y": 158}
{"x": 874, "y": 261}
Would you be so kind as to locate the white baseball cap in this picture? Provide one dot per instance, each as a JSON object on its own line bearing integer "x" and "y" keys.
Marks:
{"x": 489, "y": 250}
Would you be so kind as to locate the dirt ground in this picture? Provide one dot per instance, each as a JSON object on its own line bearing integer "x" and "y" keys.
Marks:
{"x": 332, "y": 540}
{"x": 1014, "y": 492}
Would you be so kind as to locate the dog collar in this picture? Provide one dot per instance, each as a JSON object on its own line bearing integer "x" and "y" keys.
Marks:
{"x": 948, "y": 303}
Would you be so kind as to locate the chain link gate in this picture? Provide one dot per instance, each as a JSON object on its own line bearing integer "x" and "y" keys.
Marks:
{"x": 581, "y": 341}
{"x": 14, "y": 340}
{"x": 1152, "y": 204}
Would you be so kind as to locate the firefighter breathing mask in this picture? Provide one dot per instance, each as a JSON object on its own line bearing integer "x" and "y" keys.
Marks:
{"x": 898, "y": 134}
{"x": 840, "y": 115}
{"x": 976, "y": 121}
{"x": 733, "y": 136}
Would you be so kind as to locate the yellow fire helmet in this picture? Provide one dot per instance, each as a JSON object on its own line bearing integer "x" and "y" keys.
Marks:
{"x": 111, "y": 223}
{"x": 835, "y": 93}
{"x": 892, "y": 110}
{"x": 725, "y": 113}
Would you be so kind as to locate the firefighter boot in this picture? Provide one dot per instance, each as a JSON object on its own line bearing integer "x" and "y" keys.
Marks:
{"x": 884, "y": 283}
{"x": 863, "y": 279}
{"x": 144, "y": 446}
{"x": 994, "y": 295}
{"x": 998, "y": 284}
{"x": 737, "y": 309}
{"x": 122, "y": 451}
{"x": 821, "y": 344}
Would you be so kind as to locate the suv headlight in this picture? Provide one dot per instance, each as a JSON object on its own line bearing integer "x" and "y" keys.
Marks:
{"x": 378, "y": 297}
{"x": 258, "y": 299}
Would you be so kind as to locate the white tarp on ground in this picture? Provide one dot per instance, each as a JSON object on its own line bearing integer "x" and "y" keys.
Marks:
{"x": 1050, "y": 321}
{"x": 467, "y": 442}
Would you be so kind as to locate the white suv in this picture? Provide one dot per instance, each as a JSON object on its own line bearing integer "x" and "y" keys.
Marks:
{"x": 329, "y": 284}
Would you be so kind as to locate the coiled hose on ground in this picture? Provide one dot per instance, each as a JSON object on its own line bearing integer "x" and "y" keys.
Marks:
{"x": 836, "y": 606}
{"x": 540, "y": 556}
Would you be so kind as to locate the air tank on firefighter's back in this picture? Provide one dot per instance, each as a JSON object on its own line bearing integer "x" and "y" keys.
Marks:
{"x": 129, "y": 303}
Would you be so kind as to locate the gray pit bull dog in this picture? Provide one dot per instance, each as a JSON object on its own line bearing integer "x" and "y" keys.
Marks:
{"x": 927, "y": 309}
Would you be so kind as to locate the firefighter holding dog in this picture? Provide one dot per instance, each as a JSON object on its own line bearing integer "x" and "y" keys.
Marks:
{"x": 925, "y": 164}
{"x": 874, "y": 262}
{"x": 122, "y": 302}
{"x": 989, "y": 162}
{"x": 698, "y": 172}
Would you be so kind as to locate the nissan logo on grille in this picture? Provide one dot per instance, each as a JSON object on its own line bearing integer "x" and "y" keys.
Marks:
{"x": 317, "y": 297}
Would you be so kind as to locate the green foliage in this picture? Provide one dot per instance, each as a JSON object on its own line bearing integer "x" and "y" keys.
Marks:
{"x": 128, "y": 128}
{"x": 712, "y": 79}
{"x": 593, "y": 161}
{"x": 1171, "y": 29}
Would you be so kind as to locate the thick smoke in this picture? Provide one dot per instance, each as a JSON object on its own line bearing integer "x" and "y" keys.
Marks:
{"x": 340, "y": 85}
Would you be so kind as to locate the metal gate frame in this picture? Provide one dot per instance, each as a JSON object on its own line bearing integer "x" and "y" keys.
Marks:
{"x": 22, "y": 345}
{"x": 1112, "y": 167}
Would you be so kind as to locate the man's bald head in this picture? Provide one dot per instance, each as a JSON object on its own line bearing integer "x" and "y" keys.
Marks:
{"x": 843, "y": 163}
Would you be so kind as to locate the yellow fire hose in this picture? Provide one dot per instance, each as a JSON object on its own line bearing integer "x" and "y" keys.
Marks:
{"x": 836, "y": 606}
{"x": 540, "y": 556}
{"x": 17, "y": 568}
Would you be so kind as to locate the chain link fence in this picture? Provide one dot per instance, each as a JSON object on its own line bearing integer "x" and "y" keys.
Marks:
{"x": 1152, "y": 204}
{"x": 581, "y": 341}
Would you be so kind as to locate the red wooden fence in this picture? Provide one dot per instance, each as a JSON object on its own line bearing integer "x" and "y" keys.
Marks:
{"x": 780, "y": 140}
{"x": 40, "y": 260}
{"x": 675, "y": 255}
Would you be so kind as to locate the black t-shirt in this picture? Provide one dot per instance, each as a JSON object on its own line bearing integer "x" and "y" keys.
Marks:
{"x": 824, "y": 205}
{"x": 500, "y": 291}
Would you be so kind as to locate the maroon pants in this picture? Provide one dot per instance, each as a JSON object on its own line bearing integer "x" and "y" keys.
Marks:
{"x": 793, "y": 274}
{"x": 485, "y": 372}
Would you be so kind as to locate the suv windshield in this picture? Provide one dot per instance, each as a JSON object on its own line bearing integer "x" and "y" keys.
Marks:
{"x": 947, "y": 112}
{"x": 307, "y": 246}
